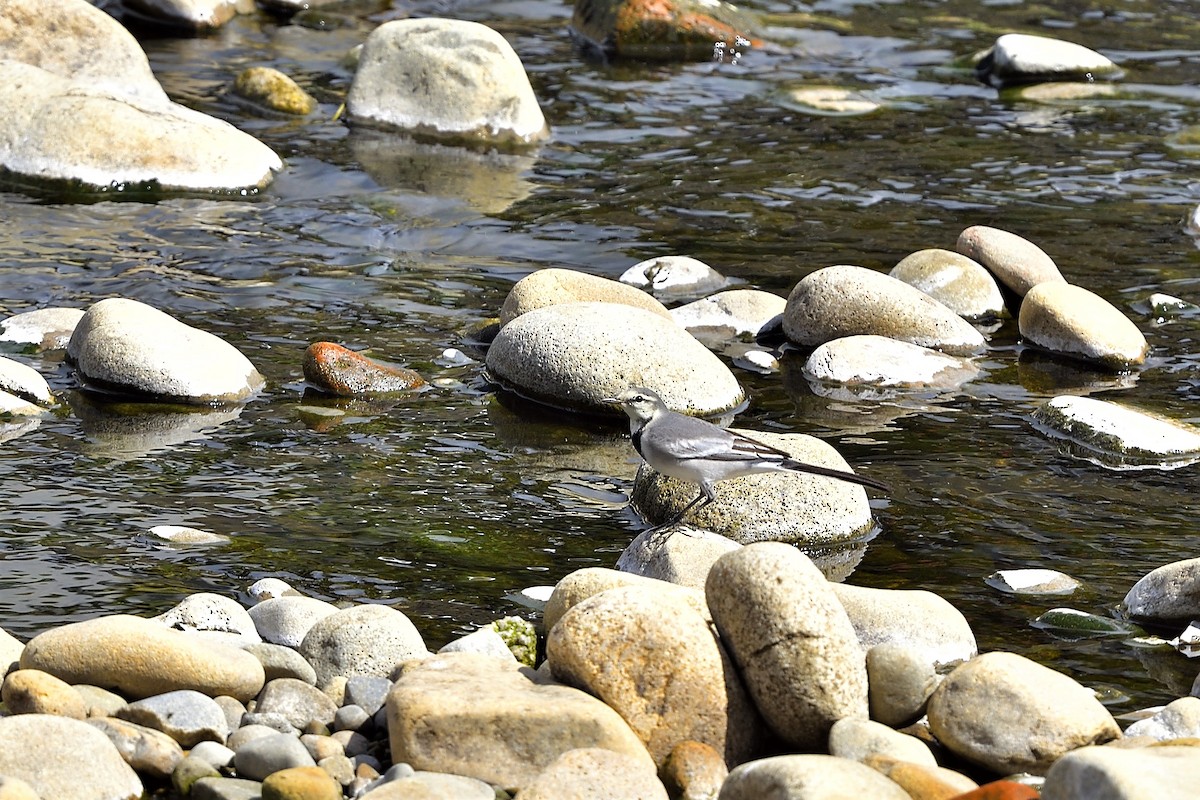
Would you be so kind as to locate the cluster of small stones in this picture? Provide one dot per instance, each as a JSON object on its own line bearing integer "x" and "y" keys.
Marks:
{"x": 754, "y": 677}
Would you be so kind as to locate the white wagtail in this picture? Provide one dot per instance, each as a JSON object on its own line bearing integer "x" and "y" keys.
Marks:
{"x": 698, "y": 451}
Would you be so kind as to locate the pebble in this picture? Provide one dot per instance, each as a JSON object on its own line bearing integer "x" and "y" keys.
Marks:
{"x": 777, "y": 506}
{"x": 431, "y": 785}
{"x": 125, "y": 345}
{"x": 830, "y": 101}
{"x": 484, "y": 641}
{"x": 901, "y": 678}
{"x": 187, "y": 716}
{"x": 282, "y": 662}
{"x": 31, "y": 691}
{"x": 866, "y": 364}
{"x": 593, "y": 772}
{"x": 47, "y": 752}
{"x": 286, "y": 619}
{"x": 805, "y": 776}
{"x": 1073, "y": 321}
{"x": 745, "y": 312}
{"x": 921, "y": 781}
{"x": 584, "y": 583}
{"x": 368, "y": 692}
{"x": 651, "y": 656}
{"x": 674, "y": 277}
{"x": 778, "y": 618}
{"x": 49, "y": 328}
{"x": 1016, "y": 262}
{"x": 1117, "y": 434}
{"x": 189, "y": 771}
{"x": 301, "y": 783}
{"x": 683, "y": 559}
{"x": 270, "y": 588}
{"x": 298, "y": 702}
{"x": 960, "y": 283}
{"x": 857, "y": 739}
{"x": 1043, "y": 716}
{"x": 1148, "y": 773}
{"x": 335, "y": 370}
{"x": 547, "y": 287}
{"x": 360, "y": 640}
{"x": 213, "y": 753}
{"x": 140, "y": 658}
{"x": 217, "y": 788}
{"x": 1018, "y": 58}
{"x": 16, "y": 789}
{"x": 846, "y": 300}
{"x": 481, "y": 717}
{"x": 274, "y": 91}
{"x": 465, "y": 83}
{"x": 576, "y": 355}
{"x": 258, "y": 758}
{"x": 694, "y": 771}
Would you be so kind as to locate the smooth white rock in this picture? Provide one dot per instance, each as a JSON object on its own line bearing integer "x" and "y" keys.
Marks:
{"x": 1179, "y": 719}
{"x": 267, "y": 588}
{"x": 1113, "y": 428}
{"x": 24, "y": 381}
{"x": 1032, "y": 581}
{"x": 16, "y": 406}
{"x": 745, "y": 311}
{"x": 673, "y": 275}
{"x": 180, "y": 534}
{"x": 49, "y": 327}
{"x": 206, "y": 611}
{"x": 877, "y": 361}
{"x": 1019, "y": 57}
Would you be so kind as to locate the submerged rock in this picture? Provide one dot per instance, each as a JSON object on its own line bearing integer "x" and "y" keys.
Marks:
{"x": 676, "y": 30}
{"x": 129, "y": 347}
{"x": 271, "y": 89}
{"x": 1118, "y": 435}
{"x": 575, "y": 355}
{"x": 959, "y": 282}
{"x": 1022, "y": 58}
{"x": 448, "y": 79}
{"x": 335, "y": 370}
{"x": 778, "y": 506}
{"x": 877, "y": 362}
{"x": 1071, "y": 320}
{"x": 846, "y": 300}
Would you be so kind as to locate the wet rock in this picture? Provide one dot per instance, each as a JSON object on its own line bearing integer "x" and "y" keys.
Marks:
{"x": 808, "y": 776}
{"x": 901, "y": 677}
{"x": 1070, "y": 320}
{"x": 282, "y": 662}
{"x": 581, "y": 584}
{"x": 301, "y": 783}
{"x": 150, "y": 752}
{"x": 127, "y": 346}
{"x": 335, "y": 370}
{"x": 140, "y": 658}
{"x": 777, "y": 506}
{"x": 463, "y": 82}
{"x": 1118, "y": 435}
{"x": 47, "y": 752}
{"x": 1169, "y": 594}
{"x": 11, "y": 405}
{"x": 857, "y": 739}
{"x": 49, "y": 328}
{"x": 187, "y": 716}
{"x": 648, "y": 654}
{"x": 912, "y": 617}
{"x": 845, "y": 300}
{"x": 361, "y": 640}
{"x": 683, "y": 558}
{"x": 1010, "y": 714}
{"x": 206, "y": 611}
{"x": 285, "y": 620}
{"x": 679, "y": 30}
{"x": 1021, "y": 58}
{"x": 674, "y": 277}
{"x": 265, "y": 755}
{"x": 958, "y": 282}
{"x": 921, "y": 780}
{"x": 54, "y": 124}
{"x": 1070, "y": 623}
{"x": 1178, "y": 719}
{"x": 1016, "y": 262}
{"x": 744, "y": 311}
{"x": 593, "y": 772}
{"x": 830, "y": 101}
{"x": 1032, "y": 581}
{"x": 31, "y": 691}
{"x": 477, "y": 716}
{"x": 180, "y": 534}
{"x": 274, "y": 91}
{"x": 779, "y": 619}
{"x": 298, "y": 702}
{"x": 25, "y": 382}
{"x": 74, "y": 39}
{"x": 879, "y": 363}
{"x": 575, "y": 355}
{"x": 694, "y": 771}
{"x": 1157, "y": 773}
{"x": 547, "y": 287}
{"x": 193, "y": 15}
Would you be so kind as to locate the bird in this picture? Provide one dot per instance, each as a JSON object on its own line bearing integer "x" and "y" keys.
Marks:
{"x": 698, "y": 451}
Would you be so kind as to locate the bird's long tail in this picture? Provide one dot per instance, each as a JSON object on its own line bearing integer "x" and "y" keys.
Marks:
{"x": 841, "y": 475}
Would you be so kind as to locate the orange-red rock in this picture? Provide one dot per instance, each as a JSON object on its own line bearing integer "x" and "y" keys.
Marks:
{"x": 333, "y": 369}
{"x": 1001, "y": 790}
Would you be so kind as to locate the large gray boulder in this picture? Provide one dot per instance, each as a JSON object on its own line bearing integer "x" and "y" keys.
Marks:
{"x": 127, "y": 346}
{"x": 452, "y": 79}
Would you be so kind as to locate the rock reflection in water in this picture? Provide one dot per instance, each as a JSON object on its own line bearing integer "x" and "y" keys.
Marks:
{"x": 126, "y": 430}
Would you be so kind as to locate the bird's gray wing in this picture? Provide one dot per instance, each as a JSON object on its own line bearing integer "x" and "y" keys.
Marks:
{"x": 690, "y": 439}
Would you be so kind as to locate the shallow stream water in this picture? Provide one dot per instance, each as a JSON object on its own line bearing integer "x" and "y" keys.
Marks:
{"x": 447, "y": 502}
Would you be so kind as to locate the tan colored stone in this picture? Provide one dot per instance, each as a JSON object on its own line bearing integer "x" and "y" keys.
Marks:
{"x": 31, "y": 691}
{"x": 554, "y": 286}
{"x": 584, "y": 583}
{"x": 301, "y": 783}
{"x": 1016, "y": 262}
{"x": 922, "y": 781}
{"x": 1071, "y": 320}
{"x": 594, "y": 772}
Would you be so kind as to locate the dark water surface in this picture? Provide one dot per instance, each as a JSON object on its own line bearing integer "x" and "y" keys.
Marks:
{"x": 448, "y": 501}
